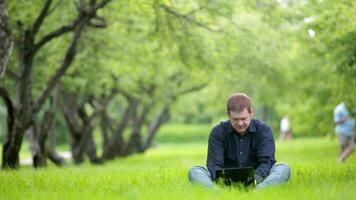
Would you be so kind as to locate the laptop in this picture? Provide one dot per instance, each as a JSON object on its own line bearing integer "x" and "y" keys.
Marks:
{"x": 243, "y": 175}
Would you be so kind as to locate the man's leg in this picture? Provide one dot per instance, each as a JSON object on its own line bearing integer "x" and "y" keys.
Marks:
{"x": 346, "y": 154}
{"x": 342, "y": 144}
{"x": 279, "y": 173}
{"x": 200, "y": 175}
{"x": 350, "y": 142}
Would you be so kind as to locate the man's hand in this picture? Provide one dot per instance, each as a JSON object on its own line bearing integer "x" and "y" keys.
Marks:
{"x": 258, "y": 179}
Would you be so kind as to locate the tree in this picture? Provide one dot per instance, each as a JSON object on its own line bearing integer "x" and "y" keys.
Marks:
{"x": 28, "y": 43}
{"x": 142, "y": 62}
{"x": 38, "y": 133}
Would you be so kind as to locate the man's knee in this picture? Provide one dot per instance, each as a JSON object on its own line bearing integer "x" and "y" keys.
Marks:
{"x": 284, "y": 170}
{"x": 200, "y": 175}
{"x": 194, "y": 171}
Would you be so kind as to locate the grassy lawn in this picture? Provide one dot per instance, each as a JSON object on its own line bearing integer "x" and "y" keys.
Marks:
{"x": 161, "y": 173}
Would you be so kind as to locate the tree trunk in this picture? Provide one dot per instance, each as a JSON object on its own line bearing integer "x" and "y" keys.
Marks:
{"x": 105, "y": 124}
{"x": 85, "y": 144}
{"x": 6, "y": 156}
{"x": 20, "y": 122}
{"x": 40, "y": 134}
{"x": 5, "y": 38}
{"x": 77, "y": 139}
{"x": 23, "y": 112}
{"x": 13, "y": 143}
{"x": 91, "y": 149}
{"x": 80, "y": 128}
{"x": 134, "y": 143}
{"x": 38, "y": 150}
{"x": 116, "y": 145}
{"x": 154, "y": 126}
{"x": 52, "y": 153}
{"x": 69, "y": 109}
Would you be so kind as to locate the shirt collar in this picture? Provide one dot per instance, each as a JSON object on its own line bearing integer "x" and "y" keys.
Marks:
{"x": 251, "y": 128}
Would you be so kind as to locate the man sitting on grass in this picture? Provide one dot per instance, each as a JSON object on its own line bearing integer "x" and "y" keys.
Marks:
{"x": 241, "y": 142}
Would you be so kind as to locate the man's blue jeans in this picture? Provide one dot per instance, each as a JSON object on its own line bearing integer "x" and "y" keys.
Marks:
{"x": 279, "y": 173}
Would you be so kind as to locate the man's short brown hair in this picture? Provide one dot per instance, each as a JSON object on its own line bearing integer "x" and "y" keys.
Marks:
{"x": 238, "y": 102}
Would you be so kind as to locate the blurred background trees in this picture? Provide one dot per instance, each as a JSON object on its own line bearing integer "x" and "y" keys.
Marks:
{"x": 103, "y": 76}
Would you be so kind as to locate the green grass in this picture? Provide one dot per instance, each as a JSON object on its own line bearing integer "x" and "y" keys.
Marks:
{"x": 161, "y": 173}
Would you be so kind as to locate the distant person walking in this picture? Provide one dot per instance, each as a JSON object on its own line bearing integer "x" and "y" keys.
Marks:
{"x": 285, "y": 130}
{"x": 345, "y": 127}
{"x": 241, "y": 142}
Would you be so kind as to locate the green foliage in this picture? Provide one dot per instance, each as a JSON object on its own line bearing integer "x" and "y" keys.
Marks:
{"x": 335, "y": 42}
{"x": 269, "y": 54}
{"x": 259, "y": 47}
{"x": 318, "y": 77}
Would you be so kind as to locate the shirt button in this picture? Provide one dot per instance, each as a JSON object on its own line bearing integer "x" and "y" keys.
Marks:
{"x": 241, "y": 140}
{"x": 240, "y": 152}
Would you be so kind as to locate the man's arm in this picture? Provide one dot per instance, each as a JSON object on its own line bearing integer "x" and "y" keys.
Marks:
{"x": 265, "y": 153}
{"x": 215, "y": 159}
{"x": 341, "y": 120}
{"x": 340, "y": 117}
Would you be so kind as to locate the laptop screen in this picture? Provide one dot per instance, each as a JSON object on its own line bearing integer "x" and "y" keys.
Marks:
{"x": 244, "y": 175}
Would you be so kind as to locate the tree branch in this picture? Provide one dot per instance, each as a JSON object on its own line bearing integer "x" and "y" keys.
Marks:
{"x": 192, "y": 12}
{"x": 67, "y": 28}
{"x": 192, "y": 89}
{"x": 36, "y": 26}
{"x": 56, "y": 33}
{"x": 71, "y": 51}
{"x": 188, "y": 90}
{"x": 55, "y": 6}
{"x": 98, "y": 22}
{"x": 188, "y": 18}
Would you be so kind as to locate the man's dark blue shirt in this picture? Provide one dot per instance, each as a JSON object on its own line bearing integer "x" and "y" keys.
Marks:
{"x": 254, "y": 148}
